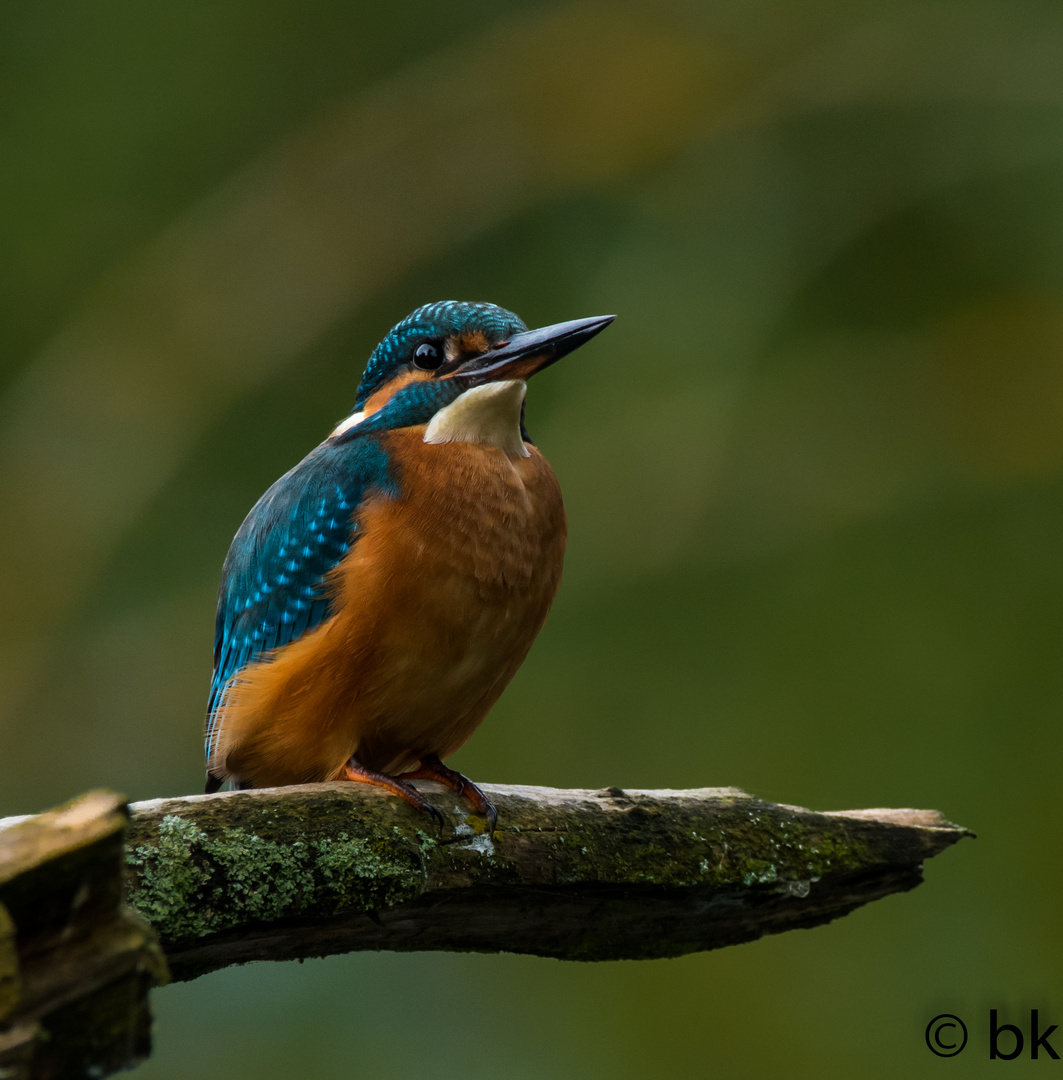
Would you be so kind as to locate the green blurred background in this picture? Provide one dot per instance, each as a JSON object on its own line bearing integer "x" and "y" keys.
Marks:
{"x": 814, "y": 473}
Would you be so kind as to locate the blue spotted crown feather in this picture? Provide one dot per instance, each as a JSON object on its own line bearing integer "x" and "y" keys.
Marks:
{"x": 437, "y": 320}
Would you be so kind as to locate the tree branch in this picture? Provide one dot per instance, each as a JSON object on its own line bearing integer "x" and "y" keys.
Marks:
{"x": 328, "y": 868}
{"x": 580, "y": 875}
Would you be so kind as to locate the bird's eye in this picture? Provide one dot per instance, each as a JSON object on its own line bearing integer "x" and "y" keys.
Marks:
{"x": 427, "y": 356}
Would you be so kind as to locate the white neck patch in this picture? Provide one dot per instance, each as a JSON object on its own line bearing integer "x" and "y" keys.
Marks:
{"x": 346, "y": 425}
{"x": 484, "y": 414}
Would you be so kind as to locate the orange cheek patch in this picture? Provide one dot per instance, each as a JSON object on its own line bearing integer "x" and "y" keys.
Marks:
{"x": 472, "y": 343}
{"x": 379, "y": 398}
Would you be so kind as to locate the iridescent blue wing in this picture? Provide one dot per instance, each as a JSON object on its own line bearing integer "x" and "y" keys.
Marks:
{"x": 273, "y": 581}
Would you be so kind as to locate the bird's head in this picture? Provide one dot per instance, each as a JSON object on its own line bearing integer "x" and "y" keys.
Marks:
{"x": 457, "y": 366}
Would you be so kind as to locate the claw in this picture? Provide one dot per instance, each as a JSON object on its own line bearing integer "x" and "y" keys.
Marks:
{"x": 356, "y": 772}
{"x": 434, "y": 810}
{"x": 431, "y": 768}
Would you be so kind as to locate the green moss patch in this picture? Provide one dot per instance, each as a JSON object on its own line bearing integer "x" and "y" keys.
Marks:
{"x": 191, "y": 883}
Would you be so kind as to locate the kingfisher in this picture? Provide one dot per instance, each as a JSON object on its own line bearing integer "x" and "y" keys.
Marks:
{"x": 380, "y": 596}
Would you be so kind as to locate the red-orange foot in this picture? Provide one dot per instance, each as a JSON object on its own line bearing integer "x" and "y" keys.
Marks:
{"x": 359, "y": 774}
{"x": 431, "y": 768}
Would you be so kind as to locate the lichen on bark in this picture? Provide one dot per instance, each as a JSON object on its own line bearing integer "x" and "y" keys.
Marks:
{"x": 192, "y": 883}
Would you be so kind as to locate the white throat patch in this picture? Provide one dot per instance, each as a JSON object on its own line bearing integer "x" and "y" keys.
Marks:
{"x": 484, "y": 414}
{"x": 345, "y": 425}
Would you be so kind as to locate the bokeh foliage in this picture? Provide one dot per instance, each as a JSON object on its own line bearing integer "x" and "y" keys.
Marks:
{"x": 814, "y": 472}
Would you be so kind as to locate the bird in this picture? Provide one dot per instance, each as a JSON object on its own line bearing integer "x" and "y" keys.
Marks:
{"x": 380, "y": 596}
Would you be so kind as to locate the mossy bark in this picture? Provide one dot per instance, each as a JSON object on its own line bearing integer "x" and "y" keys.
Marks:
{"x": 579, "y": 875}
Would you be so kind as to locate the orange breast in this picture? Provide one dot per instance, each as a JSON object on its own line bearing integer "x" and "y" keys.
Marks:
{"x": 436, "y": 607}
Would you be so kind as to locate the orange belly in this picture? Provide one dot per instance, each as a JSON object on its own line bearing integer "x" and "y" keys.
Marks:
{"x": 436, "y": 607}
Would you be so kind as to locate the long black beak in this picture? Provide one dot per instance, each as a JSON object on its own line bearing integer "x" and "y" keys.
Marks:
{"x": 525, "y": 354}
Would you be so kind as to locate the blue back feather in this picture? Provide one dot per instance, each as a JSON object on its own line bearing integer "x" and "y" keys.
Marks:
{"x": 272, "y": 586}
